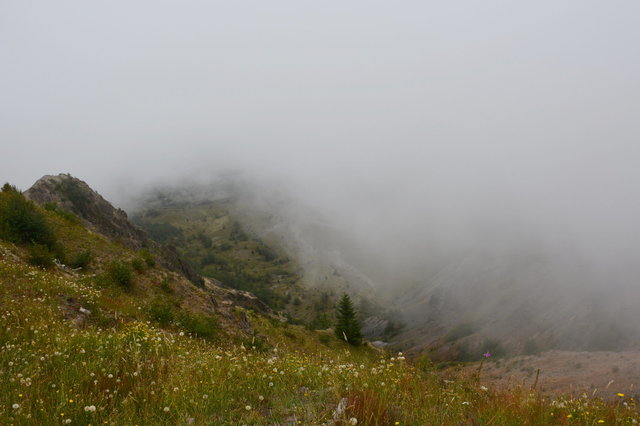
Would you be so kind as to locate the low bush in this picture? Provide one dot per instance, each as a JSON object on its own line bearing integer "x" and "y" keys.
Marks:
{"x": 148, "y": 258}
{"x": 40, "y": 255}
{"x": 199, "y": 325}
{"x": 21, "y": 222}
{"x": 120, "y": 273}
{"x": 138, "y": 264}
{"x": 162, "y": 312}
{"x": 81, "y": 260}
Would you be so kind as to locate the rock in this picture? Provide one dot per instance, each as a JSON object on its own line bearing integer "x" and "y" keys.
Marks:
{"x": 96, "y": 213}
{"x": 74, "y": 195}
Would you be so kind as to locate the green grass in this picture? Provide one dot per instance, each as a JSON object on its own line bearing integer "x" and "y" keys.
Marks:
{"x": 133, "y": 371}
{"x": 155, "y": 353}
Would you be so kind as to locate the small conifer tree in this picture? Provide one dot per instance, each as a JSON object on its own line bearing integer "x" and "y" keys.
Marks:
{"x": 347, "y": 325}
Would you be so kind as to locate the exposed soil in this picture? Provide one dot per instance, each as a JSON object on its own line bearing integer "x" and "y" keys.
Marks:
{"x": 603, "y": 374}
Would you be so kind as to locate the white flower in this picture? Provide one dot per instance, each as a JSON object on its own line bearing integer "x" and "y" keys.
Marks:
{"x": 270, "y": 384}
{"x": 484, "y": 388}
{"x": 67, "y": 421}
{"x": 261, "y": 398}
{"x": 353, "y": 421}
{"x": 15, "y": 406}
{"x": 110, "y": 376}
{"x": 182, "y": 333}
{"x": 248, "y": 408}
{"x": 205, "y": 396}
{"x": 166, "y": 409}
{"x": 90, "y": 408}
{"x": 466, "y": 403}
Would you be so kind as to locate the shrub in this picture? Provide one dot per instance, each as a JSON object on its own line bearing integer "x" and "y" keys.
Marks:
{"x": 161, "y": 312}
{"x": 21, "y": 222}
{"x": 81, "y": 260}
{"x": 256, "y": 343}
{"x": 148, "y": 258}
{"x": 138, "y": 264}
{"x": 266, "y": 252}
{"x": 121, "y": 274}
{"x": 40, "y": 255}
{"x": 204, "y": 326}
{"x": 165, "y": 285}
{"x": 237, "y": 233}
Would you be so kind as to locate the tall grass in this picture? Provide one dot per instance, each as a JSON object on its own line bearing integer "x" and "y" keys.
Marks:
{"x": 134, "y": 372}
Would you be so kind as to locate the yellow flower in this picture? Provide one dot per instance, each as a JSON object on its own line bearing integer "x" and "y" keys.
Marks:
{"x": 569, "y": 416}
{"x": 620, "y": 394}
{"x": 600, "y": 421}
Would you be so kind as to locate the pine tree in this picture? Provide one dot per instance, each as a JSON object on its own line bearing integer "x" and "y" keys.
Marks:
{"x": 347, "y": 325}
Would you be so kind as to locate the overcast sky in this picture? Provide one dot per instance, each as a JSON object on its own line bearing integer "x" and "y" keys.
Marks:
{"x": 436, "y": 115}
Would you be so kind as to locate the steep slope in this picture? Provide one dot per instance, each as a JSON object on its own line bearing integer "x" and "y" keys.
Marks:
{"x": 521, "y": 302}
{"x": 71, "y": 194}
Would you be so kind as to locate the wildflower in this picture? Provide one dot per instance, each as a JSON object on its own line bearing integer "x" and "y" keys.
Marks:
{"x": 270, "y": 384}
{"x": 620, "y": 395}
{"x": 466, "y": 403}
{"x": 353, "y": 421}
{"x": 484, "y": 388}
{"x": 67, "y": 421}
{"x": 165, "y": 409}
{"x": 90, "y": 408}
{"x": 487, "y": 354}
{"x": 261, "y": 398}
{"x": 205, "y": 396}
{"x": 600, "y": 421}
{"x": 15, "y": 406}
{"x": 248, "y": 408}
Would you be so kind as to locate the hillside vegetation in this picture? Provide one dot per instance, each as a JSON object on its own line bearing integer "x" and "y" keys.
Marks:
{"x": 224, "y": 248}
{"x": 121, "y": 340}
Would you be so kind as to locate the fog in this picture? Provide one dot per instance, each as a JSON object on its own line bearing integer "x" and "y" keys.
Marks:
{"x": 417, "y": 130}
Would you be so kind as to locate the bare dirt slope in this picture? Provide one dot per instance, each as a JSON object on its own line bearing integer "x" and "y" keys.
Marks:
{"x": 603, "y": 374}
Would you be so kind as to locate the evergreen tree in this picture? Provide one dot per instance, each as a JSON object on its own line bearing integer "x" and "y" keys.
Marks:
{"x": 347, "y": 325}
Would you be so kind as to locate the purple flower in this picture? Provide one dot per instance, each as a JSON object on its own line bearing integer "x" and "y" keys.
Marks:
{"x": 487, "y": 355}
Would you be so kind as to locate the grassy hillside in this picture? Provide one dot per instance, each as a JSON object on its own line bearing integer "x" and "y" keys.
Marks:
{"x": 101, "y": 346}
{"x": 219, "y": 247}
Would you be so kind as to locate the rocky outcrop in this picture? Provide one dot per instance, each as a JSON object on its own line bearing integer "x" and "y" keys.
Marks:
{"x": 228, "y": 297}
{"x": 74, "y": 195}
